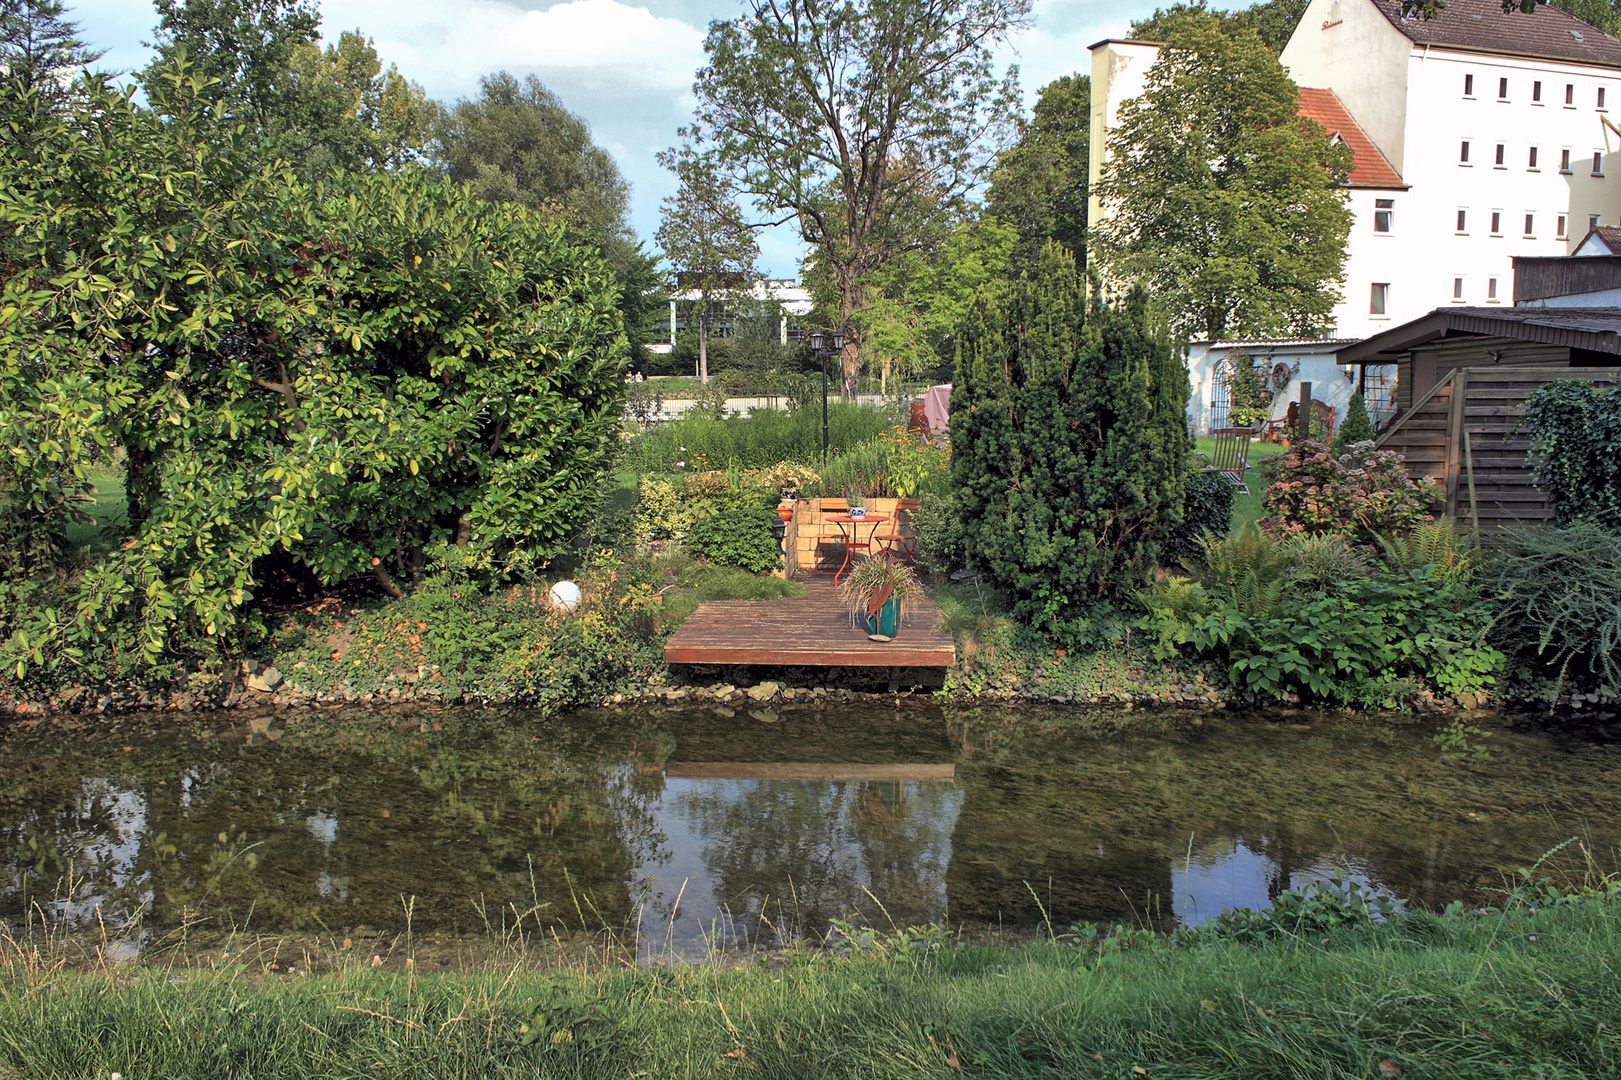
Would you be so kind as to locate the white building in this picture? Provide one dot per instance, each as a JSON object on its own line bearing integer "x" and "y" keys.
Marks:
{"x": 793, "y": 301}
{"x": 1476, "y": 137}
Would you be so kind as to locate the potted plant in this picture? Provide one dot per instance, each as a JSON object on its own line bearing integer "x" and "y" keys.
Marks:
{"x": 878, "y": 591}
{"x": 856, "y": 501}
{"x": 789, "y": 477}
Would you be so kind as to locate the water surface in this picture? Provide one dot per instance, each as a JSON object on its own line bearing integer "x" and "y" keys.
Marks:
{"x": 686, "y": 824}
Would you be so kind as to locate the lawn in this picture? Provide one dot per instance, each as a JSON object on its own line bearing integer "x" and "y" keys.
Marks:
{"x": 1247, "y": 508}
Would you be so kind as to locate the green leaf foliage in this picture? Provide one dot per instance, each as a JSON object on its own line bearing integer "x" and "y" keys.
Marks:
{"x": 1207, "y": 507}
{"x": 1219, "y": 196}
{"x": 1576, "y": 444}
{"x": 1039, "y": 185}
{"x": 336, "y": 377}
{"x": 1357, "y": 427}
{"x": 737, "y": 538}
{"x": 1559, "y": 606}
{"x": 1069, "y": 442}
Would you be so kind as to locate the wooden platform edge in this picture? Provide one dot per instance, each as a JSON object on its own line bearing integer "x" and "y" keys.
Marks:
{"x": 925, "y": 656}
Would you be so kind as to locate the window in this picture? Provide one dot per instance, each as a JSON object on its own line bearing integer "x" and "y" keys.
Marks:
{"x": 1601, "y": 97}
{"x": 1530, "y": 224}
{"x": 1468, "y": 86}
{"x": 1491, "y": 288}
{"x": 1536, "y": 92}
{"x": 1502, "y": 155}
{"x": 1564, "y": 161}
{"x": 1457, "y": 288}
{"x": 1502, "y": 89}
{"x": 1598, "y": 163}
{"x": 1463, "y": 152}
{"x": 1378, "y": 293}
{"x": 1570, "y": 93}
{"x": 1463, "y": 221}
{"x": 1531, "y": 162}
{"x": 1497, "y": 223}
{"x": 1382, "y": 212}
{"x": 1592, "y": 221}
{"x": 1560, "y": 224}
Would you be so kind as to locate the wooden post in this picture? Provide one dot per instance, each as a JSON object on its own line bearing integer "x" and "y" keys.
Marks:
{"x": 1454, "y": 443}
{"x": 1303, "y": 422}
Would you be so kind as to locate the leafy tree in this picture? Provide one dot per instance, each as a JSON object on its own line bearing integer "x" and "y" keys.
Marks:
{"x": 1273, "y": 20}
{"x": 40, "y": 51}
{"x": 867, "y": 122}
{"x": 706, "y": 240}
{"x": 339, "y": 378}
{"x": 1039, "y": 186}
{"x": 1069, "y": 442}
{"x": 350, "y": 114}
{"x": 516, "y": 143}
{"x": 1604, "y": 14}
{"x": 1219, "y": 196}
{"x": 248, "y": 46}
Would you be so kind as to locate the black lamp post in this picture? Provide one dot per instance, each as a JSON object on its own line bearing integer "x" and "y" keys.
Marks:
{"x": 818, "y": 341}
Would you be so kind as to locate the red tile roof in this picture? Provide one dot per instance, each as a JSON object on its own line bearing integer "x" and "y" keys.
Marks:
{"x": 1483, "y": 26}
{"x": 1369, "y": 169}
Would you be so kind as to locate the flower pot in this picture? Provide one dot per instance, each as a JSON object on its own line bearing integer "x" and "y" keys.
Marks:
{"x": 858, "y": 512}
{"x": 785, "y": 512}
{"x": 788, "y": 494}
{"x": 887, "y": 621}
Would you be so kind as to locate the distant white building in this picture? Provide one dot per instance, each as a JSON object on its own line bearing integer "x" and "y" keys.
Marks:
{"x": 793, "y": 301}
{"x": 1477, "y": 137}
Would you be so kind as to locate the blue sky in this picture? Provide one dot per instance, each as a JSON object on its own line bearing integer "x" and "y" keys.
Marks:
{"x": 625, "y": 67}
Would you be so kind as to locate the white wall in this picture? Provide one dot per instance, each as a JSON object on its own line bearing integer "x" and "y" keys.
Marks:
{"x": 1119, "y": 73}
{"x": 1328, "y": 379}
{"x": 1350, "y": 47}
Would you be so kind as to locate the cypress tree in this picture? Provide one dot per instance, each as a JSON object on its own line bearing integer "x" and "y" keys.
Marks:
{"x": 1069, "y": 442}
{"x": 1357, "y": 427}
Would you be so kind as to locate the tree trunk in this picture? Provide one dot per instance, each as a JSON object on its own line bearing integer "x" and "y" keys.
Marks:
{"x": 703, "y": 345}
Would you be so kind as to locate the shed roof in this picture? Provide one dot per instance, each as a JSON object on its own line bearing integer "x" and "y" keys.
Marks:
{"x": 1596, "y": 329}
{"x": 1483, "y": 26}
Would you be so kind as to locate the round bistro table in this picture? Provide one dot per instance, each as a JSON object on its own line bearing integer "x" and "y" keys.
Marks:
{"x": 852, "y": 539}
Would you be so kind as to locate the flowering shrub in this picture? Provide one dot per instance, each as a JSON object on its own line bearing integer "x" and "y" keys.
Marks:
{"x": 1361, "y": 494}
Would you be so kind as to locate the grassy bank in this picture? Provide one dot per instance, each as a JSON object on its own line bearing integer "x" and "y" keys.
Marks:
{"x": 1525, "y": 992}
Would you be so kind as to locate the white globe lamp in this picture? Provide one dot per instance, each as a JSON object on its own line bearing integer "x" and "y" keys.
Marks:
{"x": 565, "y": 596}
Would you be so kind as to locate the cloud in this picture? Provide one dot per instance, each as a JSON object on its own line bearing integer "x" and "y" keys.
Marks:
{"x": 446, "y": 46}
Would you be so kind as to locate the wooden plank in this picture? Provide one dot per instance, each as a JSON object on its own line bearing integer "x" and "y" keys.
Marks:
{"x": 797, "y": 770}
{"x": 1460, "y": 394}
{"x": 809, "y": 630}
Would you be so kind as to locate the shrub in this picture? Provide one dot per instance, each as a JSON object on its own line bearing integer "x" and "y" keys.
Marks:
{"x": 1207, "y": 507}
{"x": 1357, "y": 427}
{"x": 737, "y": 538}
{"x": 939, "y": 532}
{"x": 1576, "y": 445}
{"x": 756, "y": 441}
{"x": 1559, "y": 605}
{"x": 1317, "y": 617}
{"x": 1362, "y": 494}
{"x": 1069, "y": 442}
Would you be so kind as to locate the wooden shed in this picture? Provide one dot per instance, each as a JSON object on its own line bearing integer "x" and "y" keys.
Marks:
{"x": 1464, "y": 375}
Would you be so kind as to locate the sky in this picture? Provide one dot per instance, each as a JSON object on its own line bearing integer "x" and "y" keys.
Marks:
{"x": 623, "y": 67}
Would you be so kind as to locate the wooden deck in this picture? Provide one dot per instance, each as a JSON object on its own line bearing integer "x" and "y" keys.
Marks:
{"x": 809, "y": 630}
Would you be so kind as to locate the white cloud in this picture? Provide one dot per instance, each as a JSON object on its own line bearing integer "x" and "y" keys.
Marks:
{"x": 446, "y": 46}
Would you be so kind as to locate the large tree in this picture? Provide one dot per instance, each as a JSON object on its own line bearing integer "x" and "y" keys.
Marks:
{"x": 707, "y": 241}
{"x": 247, "y": 45}
{"x": 1273, "y": 20}
{"x": 515, "y": 142}
{"x": 1039, "y": 186}
{"x": 864, "y": 121}
{"x": 1069, "y": 442}
{"x": 40, "y": 50}
{"x": 1219, "y": 196}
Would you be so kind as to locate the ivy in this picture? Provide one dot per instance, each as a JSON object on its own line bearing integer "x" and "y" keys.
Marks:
{"x": 1576, "y": 447}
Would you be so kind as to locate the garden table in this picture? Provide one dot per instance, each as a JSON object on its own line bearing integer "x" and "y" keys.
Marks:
{"x": 852, "y": 539}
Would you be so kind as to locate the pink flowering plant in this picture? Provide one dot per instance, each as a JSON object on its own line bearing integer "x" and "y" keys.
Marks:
{"x": 1359, "y": 494}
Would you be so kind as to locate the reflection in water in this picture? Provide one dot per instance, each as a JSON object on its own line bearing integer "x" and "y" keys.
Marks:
{"x": 692, "y": 825}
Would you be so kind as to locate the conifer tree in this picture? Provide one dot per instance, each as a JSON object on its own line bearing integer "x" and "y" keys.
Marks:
{"x": 40, "y": 49}
{"x": 1357, "y": 426}
{"x": 1069, "y": 442}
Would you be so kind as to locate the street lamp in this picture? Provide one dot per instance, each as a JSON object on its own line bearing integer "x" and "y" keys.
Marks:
{"x": 818, "y": 341}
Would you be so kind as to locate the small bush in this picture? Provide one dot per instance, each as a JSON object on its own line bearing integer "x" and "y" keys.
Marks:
{"x": 757, "y": 441}
{"x": 939, "y": 532}
{"x": 1207, "y": 507}
{"x": 1361, "y": 494}
{"x": 1357, "y": 426}
{"x": 736, "y": 538}
{"x": 1559, "y": 606}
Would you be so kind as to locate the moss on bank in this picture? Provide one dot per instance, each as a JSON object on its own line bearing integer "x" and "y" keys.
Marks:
{"x": 1525, "y": 991}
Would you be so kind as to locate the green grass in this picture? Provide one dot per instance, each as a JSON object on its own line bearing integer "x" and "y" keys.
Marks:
{"x": 109, "y": 509}
{"x": 1247, "y": 508}
{"x": 1466, "y": 996}
{"x": 700, "y": 582}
